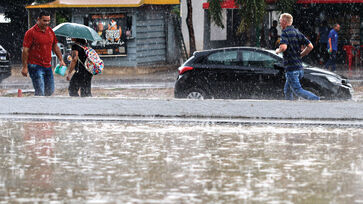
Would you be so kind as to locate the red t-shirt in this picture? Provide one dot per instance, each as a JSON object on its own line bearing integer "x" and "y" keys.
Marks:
{"x": 40, "y": 45}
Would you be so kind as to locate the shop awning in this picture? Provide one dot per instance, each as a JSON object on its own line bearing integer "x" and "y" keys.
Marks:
{"x": 102, "y": 3}
{"x": 328, "y": 1}
{"x": 230, "y": 4}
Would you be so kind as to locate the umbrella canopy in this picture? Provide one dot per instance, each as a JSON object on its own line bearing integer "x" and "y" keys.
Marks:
{"x": 75, "y": 30}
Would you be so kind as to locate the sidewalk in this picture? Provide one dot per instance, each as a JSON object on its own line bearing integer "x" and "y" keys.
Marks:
{"x": 113, "y": 78}
{"x": 347, "y": 113}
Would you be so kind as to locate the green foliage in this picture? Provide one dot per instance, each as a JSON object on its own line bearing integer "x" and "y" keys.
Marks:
{"x": 176, "y": 10}
{"x": 61, "y": 19}
{"x": 15, "y": 10}
{"x": 12, "y": 35}
{"x": 215, "y": 12}
{"x": 286, "y": 6}
{"x": 252, "y": 13}
{"x": 62, "y": 16}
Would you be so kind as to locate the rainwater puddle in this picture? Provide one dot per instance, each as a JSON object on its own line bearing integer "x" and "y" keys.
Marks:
{"x": 94, "y": 162}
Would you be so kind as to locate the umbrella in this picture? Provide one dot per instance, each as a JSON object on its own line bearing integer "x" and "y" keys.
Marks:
{"x": 75, "y": 30}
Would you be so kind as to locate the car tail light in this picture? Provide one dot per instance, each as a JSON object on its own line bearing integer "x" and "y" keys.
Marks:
{"x": 184, "y": 69}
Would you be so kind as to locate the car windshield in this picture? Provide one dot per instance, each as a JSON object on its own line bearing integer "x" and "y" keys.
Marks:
{"x": 281, "y": 56}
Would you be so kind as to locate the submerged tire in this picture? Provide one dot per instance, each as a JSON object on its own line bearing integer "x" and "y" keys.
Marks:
{"x": 196, "y": 93}
{"x": 314, "y": 91}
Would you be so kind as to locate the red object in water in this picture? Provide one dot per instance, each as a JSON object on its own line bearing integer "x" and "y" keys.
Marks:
{"x": 20, "y": 93}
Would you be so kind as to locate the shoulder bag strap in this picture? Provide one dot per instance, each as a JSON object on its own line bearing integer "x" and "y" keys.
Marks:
{"x": 78, "y": 55}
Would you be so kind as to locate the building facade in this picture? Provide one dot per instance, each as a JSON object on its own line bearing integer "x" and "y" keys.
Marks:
{"x": 209, "y": 36}
{"x": 134, "y": 32}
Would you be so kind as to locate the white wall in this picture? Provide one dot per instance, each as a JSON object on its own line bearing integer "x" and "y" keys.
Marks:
{"x": 198, "y": 22}
{"x": 217, "y": 33}
{"x": 275, "y": 15}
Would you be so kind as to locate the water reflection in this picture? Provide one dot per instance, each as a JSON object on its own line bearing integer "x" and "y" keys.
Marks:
{"x": 179, "y": 163}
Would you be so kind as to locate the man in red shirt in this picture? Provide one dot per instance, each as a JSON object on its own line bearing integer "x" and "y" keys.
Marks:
{"x": 39, "y": 41}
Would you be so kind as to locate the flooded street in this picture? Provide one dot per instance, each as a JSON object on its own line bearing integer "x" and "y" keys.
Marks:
{"x": 114, "y": 162}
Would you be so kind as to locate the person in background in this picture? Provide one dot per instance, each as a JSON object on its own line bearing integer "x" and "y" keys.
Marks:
{"x": 101, "y": 30}
{"x": 332, "y": 47}
{"x": 39, "y": 41}
{"x": 311, "y": 35}
{"x": 323, "y": 41}
{"x": 81, "y": 79}
{"x": 290, "y": 45}
{"x": 273, "y": 35}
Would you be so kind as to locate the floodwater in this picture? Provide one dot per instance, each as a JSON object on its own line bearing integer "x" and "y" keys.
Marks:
{"x": 111, "y": 162}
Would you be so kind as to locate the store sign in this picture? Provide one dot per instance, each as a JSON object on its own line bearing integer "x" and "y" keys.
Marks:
{"x": 112, "y": 30}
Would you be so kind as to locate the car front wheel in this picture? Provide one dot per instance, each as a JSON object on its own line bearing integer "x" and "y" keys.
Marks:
{"x": 314, "y": 91}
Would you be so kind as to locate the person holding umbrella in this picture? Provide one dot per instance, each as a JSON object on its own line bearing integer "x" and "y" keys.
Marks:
{"x": 81, "y": 79}
{"x": 39, "y": 41}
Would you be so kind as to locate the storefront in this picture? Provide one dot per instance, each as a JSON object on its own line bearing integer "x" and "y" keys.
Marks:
{"x": 134, "y": 32}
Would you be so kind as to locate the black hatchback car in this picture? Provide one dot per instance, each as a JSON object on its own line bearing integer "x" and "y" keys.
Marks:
{"x": 246, "y": 72}
{"x": 5, "y": 68}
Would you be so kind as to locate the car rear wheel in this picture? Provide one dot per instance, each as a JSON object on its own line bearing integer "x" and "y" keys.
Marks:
{"x": 196, "y": 93}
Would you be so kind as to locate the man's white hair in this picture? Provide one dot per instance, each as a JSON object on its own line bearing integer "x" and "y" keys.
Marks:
{"x": 287, "y": 18}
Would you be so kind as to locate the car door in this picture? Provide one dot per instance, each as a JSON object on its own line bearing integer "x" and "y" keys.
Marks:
{"x": 265, "y": 81}
{"x": 222, "y": 66}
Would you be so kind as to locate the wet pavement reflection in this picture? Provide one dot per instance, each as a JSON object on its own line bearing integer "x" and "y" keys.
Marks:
{"x": 110, "y": 162}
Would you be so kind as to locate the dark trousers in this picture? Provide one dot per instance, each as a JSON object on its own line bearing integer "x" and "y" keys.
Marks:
{"x": 81, "y": 81}
{"x": 332, "y": 60}
{"x": 323, "y": 54}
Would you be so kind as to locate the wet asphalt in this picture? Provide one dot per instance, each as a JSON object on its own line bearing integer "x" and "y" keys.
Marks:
{"x": 116, "y": 109}
{"x": 347, "y": 113}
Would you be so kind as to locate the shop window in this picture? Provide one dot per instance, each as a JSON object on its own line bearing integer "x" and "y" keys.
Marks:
{"x": 114, "y": 29}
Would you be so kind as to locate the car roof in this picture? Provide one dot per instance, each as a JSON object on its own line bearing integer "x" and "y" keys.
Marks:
{"x": 204, "y": 52}
{"x": 232, "y": 48}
